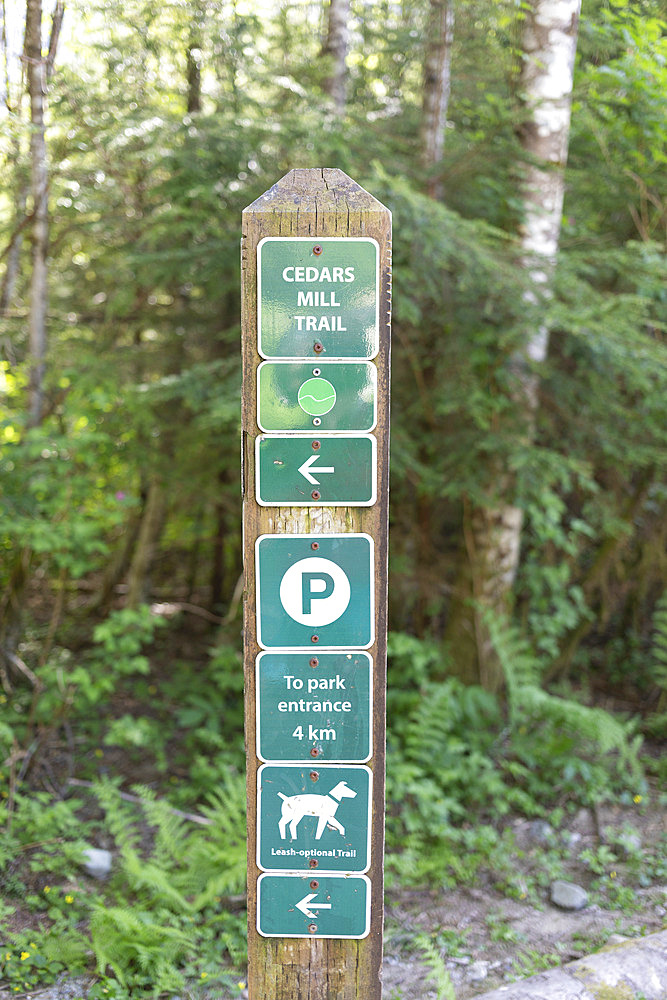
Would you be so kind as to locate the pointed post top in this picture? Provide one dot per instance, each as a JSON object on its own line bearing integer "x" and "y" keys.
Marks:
{"x": 316, "y": 189}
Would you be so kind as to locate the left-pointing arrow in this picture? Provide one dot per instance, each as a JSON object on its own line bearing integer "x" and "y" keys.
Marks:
{"x": 307, "y": 472}
{"x": 307, "y": 906}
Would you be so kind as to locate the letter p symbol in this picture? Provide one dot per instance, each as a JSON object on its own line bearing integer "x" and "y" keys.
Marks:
{"x": 315, "y": 586}
{"x": 315, "y": 591}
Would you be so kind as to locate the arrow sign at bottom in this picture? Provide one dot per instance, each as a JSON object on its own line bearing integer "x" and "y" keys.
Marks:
{"x": 306, "y": 470}
{"x": 304, "y": 903}
{"x": 348, "y": 915}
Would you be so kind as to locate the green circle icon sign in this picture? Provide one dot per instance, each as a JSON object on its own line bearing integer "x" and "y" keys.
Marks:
{"x": 316, "y": 396}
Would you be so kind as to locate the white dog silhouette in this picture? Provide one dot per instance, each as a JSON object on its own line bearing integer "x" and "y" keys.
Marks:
{"x": 295, "y": 807}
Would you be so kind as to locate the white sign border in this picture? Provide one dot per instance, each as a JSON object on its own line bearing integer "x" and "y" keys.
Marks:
{"x": 320, "y": 364}
{"x": 320, "y": 767}
{"x": 305, "y": 877}
{"x": 316, "y": 538}
{"x": 310, "y": 502}
{"x": 311, "y": 760}
{"x": 318, "y": 239}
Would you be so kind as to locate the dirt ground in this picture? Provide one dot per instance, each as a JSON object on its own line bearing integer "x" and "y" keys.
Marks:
{"x": 486, "y": 939}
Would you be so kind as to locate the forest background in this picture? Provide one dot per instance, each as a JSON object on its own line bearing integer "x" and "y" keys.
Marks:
{"x": 132, "y": 136}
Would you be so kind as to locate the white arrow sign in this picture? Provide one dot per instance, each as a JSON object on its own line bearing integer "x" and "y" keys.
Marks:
{"x": 307, "y": 473}
{"x": 307, "y": 901}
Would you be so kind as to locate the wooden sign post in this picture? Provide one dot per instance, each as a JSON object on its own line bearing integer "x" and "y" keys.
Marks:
{"x": 316, "y": 293}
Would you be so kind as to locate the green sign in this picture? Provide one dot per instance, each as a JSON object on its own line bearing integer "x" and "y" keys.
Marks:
{"x": 331, "y": 906}
{"x": 302, "y": 471}
{"x": 313, "y": 819}
{"x": 317, "y": 297}
{"x": 314, "y": 707}
{"x": 327, "y": 396}
{"x": 315, "y": 591}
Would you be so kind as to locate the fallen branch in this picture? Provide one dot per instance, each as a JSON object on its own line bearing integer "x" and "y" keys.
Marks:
{"x": 127, "y": 797}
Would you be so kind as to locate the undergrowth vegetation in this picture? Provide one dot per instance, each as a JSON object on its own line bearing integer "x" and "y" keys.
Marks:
{"x": 171, "y": 915}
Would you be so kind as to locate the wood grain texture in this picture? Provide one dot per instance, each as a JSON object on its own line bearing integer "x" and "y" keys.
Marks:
{"x": 315, "y": 202}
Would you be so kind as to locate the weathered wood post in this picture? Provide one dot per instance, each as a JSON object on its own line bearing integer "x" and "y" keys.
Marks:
{"x": 316, "y": 295}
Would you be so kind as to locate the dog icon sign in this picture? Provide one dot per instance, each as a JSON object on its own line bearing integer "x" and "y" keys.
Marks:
{"x": 313, "y": 820}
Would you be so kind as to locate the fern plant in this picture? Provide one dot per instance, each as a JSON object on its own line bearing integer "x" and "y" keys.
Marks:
{"x": 437, "y": 970}
{"x": 530, "y": 705}
{"x": 177, "y": 873}
{"x": 657, "y": 721}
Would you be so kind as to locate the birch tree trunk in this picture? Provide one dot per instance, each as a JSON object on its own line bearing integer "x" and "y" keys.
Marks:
{"x": 36, "y": 77}
{"x": 335, "y": 47}
{"x": 193, "y": 75}
{"x": 436, "y": 89}
{"x": 493, "y": 532}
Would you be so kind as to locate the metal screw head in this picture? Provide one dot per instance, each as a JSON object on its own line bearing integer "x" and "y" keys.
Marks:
{"x": 315, "y": 546}
{"x": 312, "y": 928}
{"x": 316, "y": 445}
{"x": 318, "y": 347}
{"x": 314, "y": 638}
{"x": 314, "y": 752}
{"x": 314, "y": 884}
{"x": 314, "y": 775}
{"x": 316, "y": 422}
{"x": 317, "y": 371}
{"x": 313, "y": 863}
{"x": 316, "y": 496}
{"x": 314, "y": 662}
{"x": 317, "y": 249}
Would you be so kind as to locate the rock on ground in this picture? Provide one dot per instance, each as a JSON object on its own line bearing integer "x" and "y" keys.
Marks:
{"x": 621, "y": 972}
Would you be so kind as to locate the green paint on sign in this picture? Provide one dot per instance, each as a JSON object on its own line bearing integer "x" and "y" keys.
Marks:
{"x": 318, "y": 296}
{"x": 281, "y": 397}
{"x": 333, "y": 906}
{"x": 305, "y": 815}
{"x": 315, "y": 591}
{"x": 316, "y": 396}
{"x": 340, "y": 470}
{"x": 314, "y": 707}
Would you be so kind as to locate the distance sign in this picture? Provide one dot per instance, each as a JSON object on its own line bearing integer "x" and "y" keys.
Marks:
{"x": 314, "y": 707}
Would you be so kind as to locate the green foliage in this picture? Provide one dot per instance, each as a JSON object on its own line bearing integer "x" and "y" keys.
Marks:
{"x": 160, "y": 922}
{"x": 458, "y": 763}
{"x": 142, "y": 389}
{"x": 437, "y": 970}
{"x": 177, "y": 891}
{"x": 656, "y": 723}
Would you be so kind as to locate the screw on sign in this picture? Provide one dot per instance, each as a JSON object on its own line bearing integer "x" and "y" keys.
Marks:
{"x": 315, "y": 327}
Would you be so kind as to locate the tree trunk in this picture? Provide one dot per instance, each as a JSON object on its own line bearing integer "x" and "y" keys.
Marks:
{"x": 493, "y": 530}
{"x": 152, "y": 522}
{"x": 36, "y": 76}
{"x": 13, "y": 251}
{"x": 193, "y": 73}
{"x": 37, "y": 72}
{"x": 335, "y": 48}
{"x": 436, "y": 89}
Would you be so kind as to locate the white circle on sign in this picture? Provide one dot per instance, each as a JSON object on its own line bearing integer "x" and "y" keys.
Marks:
{"x": 315, "y": 591}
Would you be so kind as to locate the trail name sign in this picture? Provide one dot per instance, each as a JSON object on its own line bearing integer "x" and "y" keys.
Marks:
{"x": 316, "y": 276}
{"x": 318, "y": 297}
